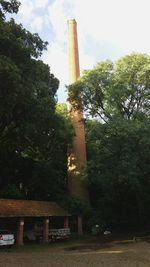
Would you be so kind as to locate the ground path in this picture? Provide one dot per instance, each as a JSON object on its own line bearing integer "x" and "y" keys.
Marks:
{"x": 79, "y": 254}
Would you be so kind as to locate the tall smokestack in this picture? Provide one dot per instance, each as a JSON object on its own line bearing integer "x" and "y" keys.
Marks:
{"x": 77, "y": 151}
{"x": 74, "y": 68}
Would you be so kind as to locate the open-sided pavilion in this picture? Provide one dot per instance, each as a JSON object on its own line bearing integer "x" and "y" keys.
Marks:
{"x": 23, "y": 209}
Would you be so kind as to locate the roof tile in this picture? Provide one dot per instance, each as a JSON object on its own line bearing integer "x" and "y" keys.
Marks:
{"x": 30, "y": 208}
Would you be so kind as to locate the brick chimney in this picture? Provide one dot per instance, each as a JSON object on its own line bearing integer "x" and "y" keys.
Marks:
{"x": 77, "y": 151}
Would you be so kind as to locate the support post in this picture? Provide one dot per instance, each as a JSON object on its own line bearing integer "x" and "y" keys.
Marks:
{"x": 80, "y": 225}
{"x": 45, "y": 230}
{"x": 66, "y": 222}
{"x": 20, "y": 230}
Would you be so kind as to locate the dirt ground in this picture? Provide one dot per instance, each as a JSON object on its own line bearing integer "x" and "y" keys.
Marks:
{"x": 79, "y": 254}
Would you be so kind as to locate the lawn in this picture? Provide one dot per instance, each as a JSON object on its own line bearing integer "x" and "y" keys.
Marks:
{"x": 76, "y": 253}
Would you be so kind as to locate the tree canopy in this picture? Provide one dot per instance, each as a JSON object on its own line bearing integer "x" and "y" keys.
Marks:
{"x": 115, "y": 89}
{"x": 116, "y": 95}
{"x": 32, "y": 141}
{"x": 118, "y": 170}
{"x": 11, "y": 6}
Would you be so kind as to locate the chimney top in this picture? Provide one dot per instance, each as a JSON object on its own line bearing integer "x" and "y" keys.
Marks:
{"x": 71, "y": 21}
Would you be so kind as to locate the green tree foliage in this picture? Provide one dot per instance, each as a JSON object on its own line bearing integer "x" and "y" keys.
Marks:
{"x": 10, "y": 6}
{"x": 32, "y": 143}
{"x": 66, "y": 127}
{"x": 115, "y": 89}
{"x": 118, "y": 169}
{"x": 118, "y": 140}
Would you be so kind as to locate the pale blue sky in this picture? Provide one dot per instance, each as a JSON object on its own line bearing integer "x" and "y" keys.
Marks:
{"x": 107, "y": 29}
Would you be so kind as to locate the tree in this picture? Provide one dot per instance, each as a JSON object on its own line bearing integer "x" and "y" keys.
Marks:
{"x": 32, "y": 143}
{"x": 115, "y": 89}
{"x": 118, "y": 170}
{"x": 11, "y": 6}
{"x": 116, "y": 95}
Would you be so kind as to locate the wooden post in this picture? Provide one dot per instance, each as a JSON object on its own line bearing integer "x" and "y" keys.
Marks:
{"x": 20, "y": 230}
{"x": 66, "y": 222}
{"x": 80, "y": 226}
{"x": 45, "y": 229}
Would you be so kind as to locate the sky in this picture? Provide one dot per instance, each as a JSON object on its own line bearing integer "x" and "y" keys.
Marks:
{"x": 107, "y": 29}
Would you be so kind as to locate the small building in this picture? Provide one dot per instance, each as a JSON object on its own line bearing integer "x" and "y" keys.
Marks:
{"x": 20, "y": 210}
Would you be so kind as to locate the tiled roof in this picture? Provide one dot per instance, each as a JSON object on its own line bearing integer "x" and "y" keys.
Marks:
{"x": 30, "y": 208}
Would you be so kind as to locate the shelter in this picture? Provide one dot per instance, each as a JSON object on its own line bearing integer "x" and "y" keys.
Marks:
{"x": 21, "y": 209}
